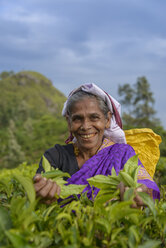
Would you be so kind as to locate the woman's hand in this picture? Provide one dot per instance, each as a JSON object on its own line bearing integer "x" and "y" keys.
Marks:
{"x": 137, "y": 203}
{"x": 46, "y": 188}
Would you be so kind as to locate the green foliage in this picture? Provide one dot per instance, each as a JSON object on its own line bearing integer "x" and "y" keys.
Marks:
{"x": 160, "y": 174}
{"x": 160, "y": 130}
{"x": 27, "y": 222}
{"x": 138, "y": 101}
{"x": 30, "y": 117}
{"x": 6, "y": 74}
{"x": 138, "y": 104}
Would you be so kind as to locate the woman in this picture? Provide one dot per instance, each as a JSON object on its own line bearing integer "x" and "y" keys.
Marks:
{"x": 98, "y": 144}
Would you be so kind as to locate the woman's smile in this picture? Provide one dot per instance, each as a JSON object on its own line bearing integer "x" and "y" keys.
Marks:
{"x": 87, "y": 124}
{"x": 87, "y": 136}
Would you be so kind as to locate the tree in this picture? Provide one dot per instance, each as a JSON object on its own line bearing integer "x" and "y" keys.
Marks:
{"x": 139, "y": 102}
{"x": 6, "y": 74}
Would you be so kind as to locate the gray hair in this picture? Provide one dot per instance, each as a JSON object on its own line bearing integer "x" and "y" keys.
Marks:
{"x": 79, "y": 95}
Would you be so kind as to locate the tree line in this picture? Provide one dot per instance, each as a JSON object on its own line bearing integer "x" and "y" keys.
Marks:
{"x": 139, "y": 112}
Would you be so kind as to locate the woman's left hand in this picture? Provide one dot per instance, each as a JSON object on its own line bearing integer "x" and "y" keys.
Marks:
{"x": 137, "y": 203}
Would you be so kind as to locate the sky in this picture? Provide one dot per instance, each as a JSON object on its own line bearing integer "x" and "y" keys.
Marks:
{"x": 107, "y": 42}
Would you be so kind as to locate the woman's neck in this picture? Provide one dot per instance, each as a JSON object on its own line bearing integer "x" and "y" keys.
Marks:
{"x": 82, "y": 155}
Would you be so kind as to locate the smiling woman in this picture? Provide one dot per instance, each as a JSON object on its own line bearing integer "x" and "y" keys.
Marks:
{"x": 96, "y": 144}
{"x": 87, "y": 122}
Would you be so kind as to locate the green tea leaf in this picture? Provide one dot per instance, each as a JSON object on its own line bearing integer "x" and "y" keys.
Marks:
{"x": 5, "y": 220}
{"x": 27, "y": 184}
{"x": 129, "y": 194}
{"x": 105, "y": 195}
{"x": 5, "y": 186}
{"x": 71, "y": 189}
{"x": 121, "y": 210}
{"x": 134, "y": 237}
{"x": 150, "y": 244}
{"x": 134, "y": 173}
{"x": 131, "y": 163}
{"x": 113, "y": 172}
{"x": 64, "y": 216}
{"x": 102, "y": 182}
{"x": 148, "y": 201}
{"x": 55, "y": 173}
{"x": 104, "y": 223}
{"x": 115, "y": 232}
{"x": 127, "y": 179}
{"x": 46, "y": 165}
{"x": 17, "y": 240}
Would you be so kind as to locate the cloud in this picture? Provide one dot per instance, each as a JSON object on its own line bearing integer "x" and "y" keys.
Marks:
{"x": 157, "y": 47}
{"x": 75, "y": 41}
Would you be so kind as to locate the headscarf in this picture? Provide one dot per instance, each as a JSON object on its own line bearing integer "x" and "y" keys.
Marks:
{"x": 114, "y": 132}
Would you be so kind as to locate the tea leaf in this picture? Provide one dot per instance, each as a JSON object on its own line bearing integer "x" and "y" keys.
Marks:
{"x": 148, "y": 201}
{"x": 134, "y": 173}
{"x": 46, "y": 165}
{"x": 129, "y": 194}
{"x": 28, "y": 186}
{"x": 106, "y": 195}
{"x": 64, "y": 216}
{"x": 71, "y": 189}
{"x": 55, "y": 173}
{"x": 127, "y": 179}
{"x": 150, "y": 244}
{"x": 102, "y": 182}
{"x": 5, "y": 220}
{"x": 17, "y": 240}
{"x": 113, "y": 172}
{"x": 131, "y": 163}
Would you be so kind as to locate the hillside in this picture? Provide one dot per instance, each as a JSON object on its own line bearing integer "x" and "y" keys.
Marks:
{"x": 30, "y": 117}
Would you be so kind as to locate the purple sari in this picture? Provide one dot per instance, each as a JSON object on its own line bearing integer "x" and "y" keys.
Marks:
{"x": 102, "y": 163}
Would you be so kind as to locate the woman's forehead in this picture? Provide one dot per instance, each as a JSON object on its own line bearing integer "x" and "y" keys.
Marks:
{"x": 86, "y": 105}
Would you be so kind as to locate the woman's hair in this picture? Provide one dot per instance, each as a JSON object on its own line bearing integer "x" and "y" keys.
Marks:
{"x": 79, "y": 95}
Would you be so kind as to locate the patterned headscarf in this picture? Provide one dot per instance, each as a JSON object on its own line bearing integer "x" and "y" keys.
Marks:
{"x": 114, "y": 132}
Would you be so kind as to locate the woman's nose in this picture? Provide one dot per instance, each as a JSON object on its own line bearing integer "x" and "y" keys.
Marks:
{"x": 85, "y": 125}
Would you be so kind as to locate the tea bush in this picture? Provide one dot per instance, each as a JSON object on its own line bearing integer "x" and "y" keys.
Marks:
{"x": 27, "y": 222}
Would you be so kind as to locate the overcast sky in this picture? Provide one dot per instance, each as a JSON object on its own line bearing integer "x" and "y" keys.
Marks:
{"x": 108, "y": 42}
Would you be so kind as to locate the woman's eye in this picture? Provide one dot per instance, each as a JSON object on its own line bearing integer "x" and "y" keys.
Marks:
{"x": 94, "y": 117}
{"x": 76, "y": 118}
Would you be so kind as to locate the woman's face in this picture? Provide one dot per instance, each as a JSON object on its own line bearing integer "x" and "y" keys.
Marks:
{"x": 87, "y": 123}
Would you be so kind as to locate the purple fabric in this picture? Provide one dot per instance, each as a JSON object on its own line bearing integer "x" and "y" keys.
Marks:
{"x": 102, "y": 163}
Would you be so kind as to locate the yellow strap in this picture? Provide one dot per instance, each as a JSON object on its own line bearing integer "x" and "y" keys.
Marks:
{"x": 146, "y": 143}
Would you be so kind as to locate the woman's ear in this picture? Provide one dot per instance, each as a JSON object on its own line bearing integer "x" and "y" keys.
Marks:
{"x": 108, "y": 120}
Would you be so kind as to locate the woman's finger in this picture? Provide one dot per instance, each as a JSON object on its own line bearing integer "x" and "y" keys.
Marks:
{"x": 54, "y": 190}
{"x": 40, "y": 184}
{"x": 45, "y": 190}
{"x": 37, "y": 178}
{"x": 138, "y": 201}
{"x": 49, "y": 201}
{"x": 59, "y": 190}
{"x": 134, "y": 205}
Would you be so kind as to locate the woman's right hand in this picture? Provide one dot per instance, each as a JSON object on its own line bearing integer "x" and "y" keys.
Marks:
{"x": 137, "y": 201}
{"x": 46, "y": 188}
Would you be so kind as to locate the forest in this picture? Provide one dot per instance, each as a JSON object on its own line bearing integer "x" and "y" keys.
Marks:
{"x": 31, "y": 122}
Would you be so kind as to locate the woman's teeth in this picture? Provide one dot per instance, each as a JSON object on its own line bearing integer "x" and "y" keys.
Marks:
{"x": 87, "y": 136}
